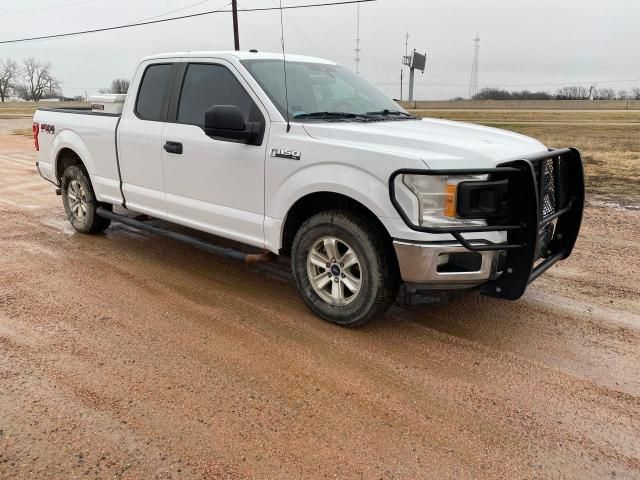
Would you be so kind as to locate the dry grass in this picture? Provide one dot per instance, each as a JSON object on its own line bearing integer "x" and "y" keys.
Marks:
{"x": 10, "y": 110}
{"x": 536, "y": 116}
{"x": 609, "y": 142}
{"x": 27, "y": 132}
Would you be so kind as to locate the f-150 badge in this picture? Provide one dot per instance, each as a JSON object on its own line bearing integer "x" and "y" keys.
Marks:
{"x": 282, "y": 153}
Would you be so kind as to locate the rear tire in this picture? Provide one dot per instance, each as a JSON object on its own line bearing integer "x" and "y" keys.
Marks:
{"x": 343, "y": 268}
{"x": 80, "y": 202}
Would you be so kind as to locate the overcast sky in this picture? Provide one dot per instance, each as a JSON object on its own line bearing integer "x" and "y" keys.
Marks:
{"x": 523, "y": 42}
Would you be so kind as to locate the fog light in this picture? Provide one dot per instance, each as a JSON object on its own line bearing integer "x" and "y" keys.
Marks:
{"x": 467, "y": 262}
{"x": 443, "y": 259}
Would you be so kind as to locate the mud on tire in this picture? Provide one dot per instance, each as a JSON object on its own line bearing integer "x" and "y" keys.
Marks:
{"x": 80, "y": 202}
{"x": 324, "y": 254}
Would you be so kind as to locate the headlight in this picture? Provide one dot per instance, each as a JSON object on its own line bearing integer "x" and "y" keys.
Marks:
{"x": 437, "y": 198}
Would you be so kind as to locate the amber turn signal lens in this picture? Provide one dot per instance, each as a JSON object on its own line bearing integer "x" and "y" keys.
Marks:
{"x": 450, "y": 200}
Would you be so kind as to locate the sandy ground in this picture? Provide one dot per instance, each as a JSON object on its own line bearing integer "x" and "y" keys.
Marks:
{"x": 128, "y": 356}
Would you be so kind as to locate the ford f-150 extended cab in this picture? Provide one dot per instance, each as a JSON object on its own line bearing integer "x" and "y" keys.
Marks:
{"x": 322, "y": 167}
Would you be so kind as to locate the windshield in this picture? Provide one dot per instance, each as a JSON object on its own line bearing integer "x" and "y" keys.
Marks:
{"x": 318, "y": 91}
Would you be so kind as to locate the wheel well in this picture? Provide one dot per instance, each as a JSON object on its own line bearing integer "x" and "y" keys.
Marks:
{"x": 66, "y": 158}
{"x": 314, "y": 203}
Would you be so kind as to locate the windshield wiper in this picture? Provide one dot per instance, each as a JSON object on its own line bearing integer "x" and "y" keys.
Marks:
{"x": 365, "y": 117}
{"x": 324, "y": 115}
{"x": 386, "y": 112}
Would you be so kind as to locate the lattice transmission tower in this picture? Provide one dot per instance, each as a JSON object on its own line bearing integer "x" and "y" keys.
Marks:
{"x": 357, "y": 50}
{"x": 474, "y": 84}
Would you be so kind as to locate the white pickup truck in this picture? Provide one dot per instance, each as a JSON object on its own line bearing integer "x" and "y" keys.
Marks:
{"x": 365, "y": 198}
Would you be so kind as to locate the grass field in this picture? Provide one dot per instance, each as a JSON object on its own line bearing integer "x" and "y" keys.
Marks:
{"x": 609, "y": 142}
{"x": 9, "y": 110}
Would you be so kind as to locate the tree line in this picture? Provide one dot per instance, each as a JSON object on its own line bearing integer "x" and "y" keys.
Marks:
{"x": 31, "y": 80}
{"x": 119, "y": 85}
{"x": 572, "y": 92}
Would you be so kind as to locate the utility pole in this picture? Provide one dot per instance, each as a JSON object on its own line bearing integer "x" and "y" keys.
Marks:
{"x": 415, "y": 61}
{"x": 401, "y": 79}
{"x": 412, "y": 77}
{"x": 236, "y": 35}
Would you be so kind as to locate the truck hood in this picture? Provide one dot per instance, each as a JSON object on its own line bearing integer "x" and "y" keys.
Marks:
{"x": 438, "y": 143}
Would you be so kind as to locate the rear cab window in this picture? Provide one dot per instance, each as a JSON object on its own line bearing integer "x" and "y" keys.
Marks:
{"x": 154, "y": 91}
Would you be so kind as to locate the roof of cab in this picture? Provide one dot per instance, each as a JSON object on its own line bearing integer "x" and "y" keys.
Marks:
{"x": 243, "y": 55}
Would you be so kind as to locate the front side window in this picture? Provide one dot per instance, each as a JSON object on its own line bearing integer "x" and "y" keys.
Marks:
{"x": 154, "y": 89}
{"x": 206, "y": 85}
{"x": 317, "y": 87}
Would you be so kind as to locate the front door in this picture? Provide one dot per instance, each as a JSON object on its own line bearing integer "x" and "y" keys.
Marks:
{"x": 213, "y": 184}
{"x": 139, "y": 141}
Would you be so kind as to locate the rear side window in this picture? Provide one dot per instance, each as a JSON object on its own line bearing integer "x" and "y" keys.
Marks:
{"x": 154, "y": 89}
{"x": 206, "y": 85}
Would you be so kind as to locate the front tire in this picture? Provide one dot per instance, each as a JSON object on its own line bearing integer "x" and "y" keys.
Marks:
{"x": 80, "y": 202}
{"x": 343, "y": 268}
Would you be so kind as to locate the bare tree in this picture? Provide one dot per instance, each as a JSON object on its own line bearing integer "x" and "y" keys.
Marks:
{"x": 635, "y": 93}
{"x": 623, "y": 95}
{"x": 119, "y": 85}
{"x": 574, "y": 92}
{"x": 8, "y": 74}
{"x": 604, "y": 94}
{"x": 39, "y": 82}
{"x": 22, "y": 91}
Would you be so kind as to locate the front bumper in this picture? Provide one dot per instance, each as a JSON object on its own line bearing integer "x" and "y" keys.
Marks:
{"x": 545, "y": 194}
{"x": 423, "y": 264}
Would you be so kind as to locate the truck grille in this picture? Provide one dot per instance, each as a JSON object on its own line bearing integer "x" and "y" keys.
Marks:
{"x": 552, "y": 182}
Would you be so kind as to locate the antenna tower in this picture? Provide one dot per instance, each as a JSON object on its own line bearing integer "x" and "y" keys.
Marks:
{"x": 357, "y": 50}
{"x": 474, "y": 84}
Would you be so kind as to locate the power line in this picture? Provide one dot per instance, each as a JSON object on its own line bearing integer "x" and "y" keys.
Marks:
{"x": 178, "y": 10}
{"x": 51, "y": 7}
{"x": 295, "y": 25}
{"x": 182, "y": 17}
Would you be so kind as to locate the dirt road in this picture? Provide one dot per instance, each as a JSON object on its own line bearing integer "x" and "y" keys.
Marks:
{"x": 128, "y": 356}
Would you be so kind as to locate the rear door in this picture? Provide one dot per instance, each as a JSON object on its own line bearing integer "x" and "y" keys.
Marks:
{"x": 140, "y": 137}
{"x": 213, "y": 184}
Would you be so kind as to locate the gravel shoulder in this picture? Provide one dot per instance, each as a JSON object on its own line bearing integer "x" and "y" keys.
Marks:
{"x": 128, "y": 356}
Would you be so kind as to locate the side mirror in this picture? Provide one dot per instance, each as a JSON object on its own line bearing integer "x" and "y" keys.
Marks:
{"x": 227, "y": 121}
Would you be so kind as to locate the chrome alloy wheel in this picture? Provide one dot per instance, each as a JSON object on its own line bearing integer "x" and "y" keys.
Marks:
{"x": 77, "y": 200}
{"x": 334, "y": 271}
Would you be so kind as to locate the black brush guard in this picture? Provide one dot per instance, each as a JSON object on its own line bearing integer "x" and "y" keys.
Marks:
{"x": 546, "y": 200}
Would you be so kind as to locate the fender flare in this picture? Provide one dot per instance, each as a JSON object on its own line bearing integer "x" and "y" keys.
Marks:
{"x": 69, "y": 140}
{"x": 353, "y": 182}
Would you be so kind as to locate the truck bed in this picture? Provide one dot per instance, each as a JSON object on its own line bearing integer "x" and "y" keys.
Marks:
{"x": 92, "y": 135}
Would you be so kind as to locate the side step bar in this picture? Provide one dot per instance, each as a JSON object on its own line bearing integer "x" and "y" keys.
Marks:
{"x": 194, "y": 242}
